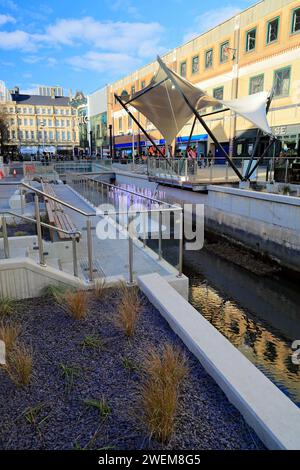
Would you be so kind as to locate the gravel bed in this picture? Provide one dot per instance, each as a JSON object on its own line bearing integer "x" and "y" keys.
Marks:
{"x": 205, "y": 418}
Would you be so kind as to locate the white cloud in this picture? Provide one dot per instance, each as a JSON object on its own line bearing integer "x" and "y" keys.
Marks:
{"x": 106, "y": 63}
{"x": 6, "y": 19}
{"x": 127, "y": 37}
{"x": 112, "y": 45}
{"x": 16, "y": 40}
{"x": 209, "y": 19}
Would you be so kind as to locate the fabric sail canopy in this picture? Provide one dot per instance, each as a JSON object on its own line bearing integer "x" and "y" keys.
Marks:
{"x": 163, "y": 104}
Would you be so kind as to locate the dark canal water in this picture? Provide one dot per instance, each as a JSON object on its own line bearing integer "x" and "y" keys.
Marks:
{"x": 259, "y": 315}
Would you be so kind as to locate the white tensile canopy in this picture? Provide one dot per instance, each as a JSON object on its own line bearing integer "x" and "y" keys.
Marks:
{"x": 165, "y": 106}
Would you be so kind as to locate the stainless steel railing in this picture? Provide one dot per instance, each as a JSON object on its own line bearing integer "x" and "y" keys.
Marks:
{"x": 201, "y": 171}
{"x": 76, "y": 236}
{"x": 83, "y": 184}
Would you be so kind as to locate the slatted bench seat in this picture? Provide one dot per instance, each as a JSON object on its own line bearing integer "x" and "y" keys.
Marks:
{"x": 56, "y": 215}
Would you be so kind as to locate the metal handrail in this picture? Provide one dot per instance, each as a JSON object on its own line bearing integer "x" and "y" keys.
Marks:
{"x": 39, "y": 224}
{"x": 133, "y": 193}
{"x": 29, "y": 219}
{"x": 55, "y": 199}
{"x": 75, "y": 236}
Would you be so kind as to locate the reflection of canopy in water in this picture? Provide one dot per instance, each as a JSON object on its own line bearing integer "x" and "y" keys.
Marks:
{"x": 164, "y": 103}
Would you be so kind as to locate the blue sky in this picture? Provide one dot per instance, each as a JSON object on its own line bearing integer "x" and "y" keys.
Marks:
{"x": 85, "y": 44}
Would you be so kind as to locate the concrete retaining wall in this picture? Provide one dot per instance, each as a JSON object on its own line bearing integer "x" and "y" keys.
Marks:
{"x": 273, "y": 416}
{"x": 23, "y": 278}
{"x": 269, "y": 223}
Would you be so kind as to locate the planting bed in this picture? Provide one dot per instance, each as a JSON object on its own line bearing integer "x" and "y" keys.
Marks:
{"x": 52, "y": 412}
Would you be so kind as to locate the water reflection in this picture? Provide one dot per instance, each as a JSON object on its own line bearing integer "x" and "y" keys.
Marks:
{"x": 260, "y": 341}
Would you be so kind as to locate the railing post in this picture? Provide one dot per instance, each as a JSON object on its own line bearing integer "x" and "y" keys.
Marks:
{"x": 22, "y": 201}
{"x": 39, "y": 230}
{"x": 5, "y": 238}
{"x": 130, "y": 242}
{"x": 286, "y": 170}
{"x": 180, "y": 244}
{"x": 160, "y": 235}
{"x": 226, "y": 172}
{"x": 90, "y": 249}
{"x": 145, "y": 220}
{"x": 75, "y": 260}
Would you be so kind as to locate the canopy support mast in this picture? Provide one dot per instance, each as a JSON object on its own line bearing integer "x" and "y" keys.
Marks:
{"x": 202, "y": 122}
{"x": 140, "y": 126}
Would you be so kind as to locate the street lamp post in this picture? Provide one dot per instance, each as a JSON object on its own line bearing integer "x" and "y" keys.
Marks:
{"x": 42, "y": 126}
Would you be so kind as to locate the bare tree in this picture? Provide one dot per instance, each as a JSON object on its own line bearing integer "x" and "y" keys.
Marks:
{"x": 4, "y": 130}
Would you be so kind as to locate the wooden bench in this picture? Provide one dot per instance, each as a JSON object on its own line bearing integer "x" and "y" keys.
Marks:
{"x": 56, "y": 215}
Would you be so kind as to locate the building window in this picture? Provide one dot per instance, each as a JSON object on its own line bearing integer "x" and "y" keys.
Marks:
{"x": 31, "y": 122}
{"x": 218, "y": 93}
{"x": 143, "y": 84}
{"x": 129, "y": 122}
{"x": 132, "y": 90}
{"x": 57, "y": 135}
{"x": 251, "y": 40}
{"x": 282, "y": 78}
{"x": 25, "y": 122}
{"x": 256, "y": 84}
{"x": 208, "y": 58}
{"x": 183, "y": 69}
{"x": 51, "y": 135}
{"x": 32, "y": 135}
{"x": 67, "y": 112}
{"x": 62, "y": 123}
{"x": 13, "y": 134}
{"x": 63, "y": 135}
{"x": 224, "y": 52}
{"x": 272, "y": 30}
{"x": 120, "y": 124}
{"x": 27, "y": 135}
{"x": 195, "y": 64}
{"x": 25, "y": 110}
{"x": 296, "y": 20}
{"x": 69, "y": 135}
{"x": 68, "y": 122}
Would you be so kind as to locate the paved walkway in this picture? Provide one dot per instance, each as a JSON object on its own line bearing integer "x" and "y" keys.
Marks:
{"x": 110, "y": 256}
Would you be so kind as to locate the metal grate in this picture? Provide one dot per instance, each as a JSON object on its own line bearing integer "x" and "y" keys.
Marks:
{"x": 97, "y": 270}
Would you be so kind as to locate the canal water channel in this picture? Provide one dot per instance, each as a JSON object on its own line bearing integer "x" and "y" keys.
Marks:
{"x": 258, "y": 313}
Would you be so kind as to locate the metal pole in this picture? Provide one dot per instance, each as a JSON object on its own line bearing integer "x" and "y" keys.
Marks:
{"x": 180, "y": 244}
{"x": 130, "y": 243}
{"x": 272, "y": 141}
{"x": 202, "y": 122}
{"x": 145, "y": 218}
{"x": 140, "y": 126}
{"x": 191, "y": 135}
{"x": 22, "y": 201}
{"x": 75, "y": 261}
{"x": 286, "y": 171}
{"x": 5, "y": 238}
{"x": 160, "y": 235}
{"x": 90, "y": 249}
{"x": 39, "y": 230}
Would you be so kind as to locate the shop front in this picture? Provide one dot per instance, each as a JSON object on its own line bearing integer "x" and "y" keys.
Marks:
{"x": 289, "y": 138}
{"x": 124, "y": 145}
